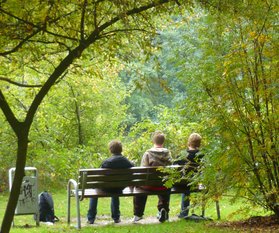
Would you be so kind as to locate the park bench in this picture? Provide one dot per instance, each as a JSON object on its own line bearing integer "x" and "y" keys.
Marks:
{"x": 91, "y": 183}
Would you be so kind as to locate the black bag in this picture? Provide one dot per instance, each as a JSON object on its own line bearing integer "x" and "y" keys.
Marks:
{"x": 46, "y": 208}
{"x": 197, "y": 218}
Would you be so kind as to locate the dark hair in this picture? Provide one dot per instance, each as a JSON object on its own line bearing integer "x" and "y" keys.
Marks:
{"x": 158, "y": 138}
{"x": 115, "y": 147}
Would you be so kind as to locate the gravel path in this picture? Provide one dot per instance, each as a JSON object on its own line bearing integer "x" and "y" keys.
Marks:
{"x": 106, "y": 220}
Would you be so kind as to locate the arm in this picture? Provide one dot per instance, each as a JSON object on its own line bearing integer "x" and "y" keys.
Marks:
{"x": 145, "y": 160}
{"x": 170, "y": 159}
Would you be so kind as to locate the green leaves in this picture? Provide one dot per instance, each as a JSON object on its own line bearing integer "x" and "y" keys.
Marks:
{"x": 235, "y": 79}
{"x": 226, "y": 63}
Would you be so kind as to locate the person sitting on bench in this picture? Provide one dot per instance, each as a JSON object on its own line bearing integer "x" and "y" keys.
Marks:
{"x": 117, "y": 160}
{"x": 190, "y": 157}
{"x": 156, "y": 156}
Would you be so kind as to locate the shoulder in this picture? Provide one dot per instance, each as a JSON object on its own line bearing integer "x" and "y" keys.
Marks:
{"x": 106, "y": 162}
{"x": 126, "y": 159}
{"x": 198, "y": 154}
{"x": 125, "y": 162}
{"x": 147, "y": 153}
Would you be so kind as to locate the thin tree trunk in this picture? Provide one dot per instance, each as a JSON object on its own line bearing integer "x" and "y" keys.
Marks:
{"x": 77, "y": 112}
{"x": 19, "y": 174}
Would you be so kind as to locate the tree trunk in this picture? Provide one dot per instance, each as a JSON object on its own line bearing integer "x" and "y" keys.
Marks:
{"x": 19, "y": 174}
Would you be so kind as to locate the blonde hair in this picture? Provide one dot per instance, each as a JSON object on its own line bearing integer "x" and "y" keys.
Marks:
{"x": 194, "y": 140}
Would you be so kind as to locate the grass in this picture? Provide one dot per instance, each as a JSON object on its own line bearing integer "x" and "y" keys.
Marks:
{"x": 25, "y": 223}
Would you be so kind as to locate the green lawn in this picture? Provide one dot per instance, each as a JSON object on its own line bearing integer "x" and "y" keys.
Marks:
{"x": 25, "y": 223}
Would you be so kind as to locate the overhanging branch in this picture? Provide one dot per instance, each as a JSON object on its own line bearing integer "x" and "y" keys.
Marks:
{"x": 82, "y": 21}
{"x": 39, "y": 28}
{"x": 18, "y": 84}
{"x": 75, "y": 53}
{"x": 92, "y": 36}
{"x": 20, "y": 44}
{"x": 113, "y": 32}
{"x": 29, "y": 85}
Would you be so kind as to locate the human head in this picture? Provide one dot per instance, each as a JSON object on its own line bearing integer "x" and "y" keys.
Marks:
{"x": 115, "y": 147}
{"x": 158, "y": 138}
{"x": 194, "y": 140}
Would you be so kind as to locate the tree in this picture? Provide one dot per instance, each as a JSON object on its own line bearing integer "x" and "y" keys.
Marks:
{"x": 229, "y": 61}
{"x": 40, "y": 42}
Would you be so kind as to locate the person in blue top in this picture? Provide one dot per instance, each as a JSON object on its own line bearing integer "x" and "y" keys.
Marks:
{"x": 117, "y": 160}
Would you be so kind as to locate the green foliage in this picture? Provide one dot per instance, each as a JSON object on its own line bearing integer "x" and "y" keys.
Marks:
{"x": 59, "y": 143}
{"x": 230, "y": 69}
{"x": 45, "y": 43}
{"x": 139, "y": 138}
{"x": 41, "y": 43}
{"x": 230, "y": 90}
{"x": 211, "y": 71}
{"x": 149, "y": 86}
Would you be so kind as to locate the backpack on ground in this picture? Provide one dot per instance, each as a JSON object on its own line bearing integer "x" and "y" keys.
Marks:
{"x": 46, "y": 208}
{"x": 197, "y": 218}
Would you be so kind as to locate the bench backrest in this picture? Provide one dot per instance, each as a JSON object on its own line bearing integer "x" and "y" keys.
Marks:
{"x": 118, "y": 178}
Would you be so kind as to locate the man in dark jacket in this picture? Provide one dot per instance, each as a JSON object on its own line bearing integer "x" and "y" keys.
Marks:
{"x": 156, "y": 156}
{"x": 117, "y": 160}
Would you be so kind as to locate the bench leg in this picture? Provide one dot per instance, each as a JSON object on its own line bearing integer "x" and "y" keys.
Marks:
{"x": 203, "y": 210}
{"x": 78, "y": 212}
{"x": 37, "y": 219}
{"x": 203, "y": 205}
{"x": 69, "y": 206}
{"x": 218, "y": 210}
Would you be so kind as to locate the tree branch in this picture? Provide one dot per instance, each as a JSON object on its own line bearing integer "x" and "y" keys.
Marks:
{"x": 20, "y": 44}
{"x": 39, "y": 29}
{"x": 28, "y": 85}
{"x": 18, "y": 84}
{"x": 92, "y": 36}
{"x": 75, "y": 53}
{"x": 78, "y": 115}
{"x": 19, "y": 19}
{"x": 14, "y": 123}
{"x": 113, "y": 32}
{"x": 82, "y": 20}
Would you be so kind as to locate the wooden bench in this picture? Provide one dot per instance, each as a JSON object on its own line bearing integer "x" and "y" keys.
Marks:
{"x": 91, "y": 182}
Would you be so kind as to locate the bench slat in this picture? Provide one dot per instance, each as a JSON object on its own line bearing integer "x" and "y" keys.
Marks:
{"x": 107, "y": 171}
{"x": 122, "y": 177}
{"x": 116, "y": 184}
{"x": 129, "y": 191}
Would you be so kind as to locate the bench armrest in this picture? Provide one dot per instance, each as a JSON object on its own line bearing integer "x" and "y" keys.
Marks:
{"x": 72, "y": 182}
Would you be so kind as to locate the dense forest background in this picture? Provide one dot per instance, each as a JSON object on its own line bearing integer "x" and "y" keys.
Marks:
{"x": 204, "y": 70}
